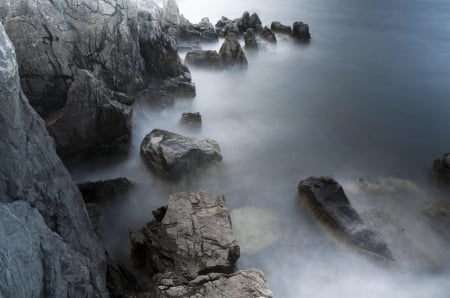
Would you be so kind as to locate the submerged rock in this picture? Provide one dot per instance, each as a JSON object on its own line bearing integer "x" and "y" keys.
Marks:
{"x": 231, "y": 53}
{"x": 328, "y": 202}
{"x": 172, "y": 155}
{"x": 191, "y": 120}
{"x": 441, "y": 167}
{"x": 250, "y": 40}
{"x": 280, "y": 28}
{"x": 300, "y": 31}
{"x": 205, "y": 59}
{"x": 194, "y": 237}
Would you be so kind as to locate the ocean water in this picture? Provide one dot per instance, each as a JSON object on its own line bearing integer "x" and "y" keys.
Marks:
{"x": 367, "y": 98}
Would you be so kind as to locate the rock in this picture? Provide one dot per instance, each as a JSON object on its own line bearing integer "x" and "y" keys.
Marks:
{"x": 268, "y": 35}
{"x": 280, "y": 28}
{"x": 120, "y": 280}
{"x": 231, "y": 53}
{"x": 205, "y": 59}
{"x": 90, "y": 118}
{"x": 328, "y": 202}
{"x": 222, "y": 22}
{"x": 176, "y": 87}
{"x": 173, "y": 156}
{"x": 248, "y": 21}
{"x": 48, "y": 247}
{"x": 193, "y": 120}
{"x": 438, "y": 216}
{"x": 241, "y": 284}
{"x": 230, "y": 27}
{"x": 171, "y": 13}
{"x": 250, "y": 40}
{"x": 441, "y": 167}
{"x": 104, "y": 190}
{"x": 193, "y": 238}
{"x": 300, "y": 31}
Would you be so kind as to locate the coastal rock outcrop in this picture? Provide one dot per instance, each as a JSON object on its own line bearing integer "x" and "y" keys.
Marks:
{"x": 204, "y": 59}
{"x": 248, "y": 21}
{"x": 231, "y": 53}
{"x": 300, "y": 31}
{"x": 329, "y": 204}
{"x": 280, "y": 28}
{"x": 268, "y": 35}
{"x": 48, "y": 247}
{"x": 251, "y": 43}
{"x": 172, "y": 155}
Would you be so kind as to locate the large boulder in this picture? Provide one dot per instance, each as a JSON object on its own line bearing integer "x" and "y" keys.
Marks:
{"x": 193, "y": 236}
{"x": 327, "y": 201}
{"x": 172, "y": 155}
{"x": 204, "y": 59}
{"x": 48, "y": 247}
{"x": 441, "y": 167}
{"x": 231, "y": 53}
{"x": 300, "y": 31}
{"x": 91, "y": 117}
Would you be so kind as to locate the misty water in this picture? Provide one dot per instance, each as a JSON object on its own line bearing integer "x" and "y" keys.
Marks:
{"x": 368, "y": 98}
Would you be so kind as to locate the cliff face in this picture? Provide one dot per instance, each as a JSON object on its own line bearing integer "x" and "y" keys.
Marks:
{"x": 47, "y": 244}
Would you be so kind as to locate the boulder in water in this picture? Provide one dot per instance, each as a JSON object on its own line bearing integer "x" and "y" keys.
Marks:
{"x": 280, "y": 28}
{"x": 231, "y": 53}
{"x": 300, "y": 31}
{"x": 250, "y": 40}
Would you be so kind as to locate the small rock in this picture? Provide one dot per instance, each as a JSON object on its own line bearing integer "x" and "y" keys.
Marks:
{"x": 280, "y": 28}
{"x": 268, "y": 35}
{"x": 300, "y": 31}
{"x": 191, "y": 119}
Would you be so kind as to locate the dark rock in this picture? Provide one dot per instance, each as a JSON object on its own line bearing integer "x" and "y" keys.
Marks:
{"x": 441, "y": 167}
{"x": 248, "y": 21}
{"x": 280, "y": 28}
{"x": 205, "y": 59}
{"x": 104, "y": 190}
{"x": 172, "y": 155}
{"x": 328, "y": 202}
{"x": 268, "y": 35}
{"x": 300, "y": 31}
{"x": 231, "y": 53}
{"x": 438, "y": 216}
{"x": 193, "y": 120}
{"x": 189, "y": 45}
{"x": 222, "y": 22}
{"x": 158, "y": 98}
{"x": 250, "y": 40}
{"x": 193, "y": 238}
{"x": 48, "y": 247}
{"x": 230, "y": 27}
{"x": 91, "y": 117}
{"x": 120, "y": 280}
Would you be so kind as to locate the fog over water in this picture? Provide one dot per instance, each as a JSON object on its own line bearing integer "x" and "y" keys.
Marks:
{"x": 368, "y": 98}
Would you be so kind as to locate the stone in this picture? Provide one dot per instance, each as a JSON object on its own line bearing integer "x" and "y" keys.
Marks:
{"x": 441, "y": 167}
{"x": 231, "y": 53}
{"x": 250, "y": 40}
{"x": 193, "y": 120}
{"x": 300, "y": 31}
{"x": 194, "y": 237}
{"x": 48, "y": 247}
{"x": 104, "y": 190}
{"x": 326, "y": 199}
{"x": 173, "y": 156}
{"x": 280, "y": 28}
{"x": 248, "y": 21}
{"x": 204, "y": 59}
{"x": 438, "y": 216}
{"x": 268, "y": 35}
{"x": 91, "y": 117}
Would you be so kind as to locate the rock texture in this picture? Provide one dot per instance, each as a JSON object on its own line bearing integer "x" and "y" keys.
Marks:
{"x": 300, "y": 31}
{"x": 248, "y": 21}
{"x": 193, "y": 237}
{"x": 231, "y": 53}
{"x": 48, "y": 247}
{"x": 441, "y": 167}
{"x": 172, "y": 155}
{"x": 204, "y": 59}
{"x": 268, "y": 35}
{"x": 280, "y": 28}
{"x": 251, "y": 43}
{"x": 328, "y": 202}
{"x": 193, "y": 120}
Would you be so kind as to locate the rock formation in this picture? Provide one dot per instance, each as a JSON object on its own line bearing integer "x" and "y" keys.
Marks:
{"x": 231, "y": 53}
{"x": 204, "y": 59}
{"x": 280, "y": 28}
{"x": 250, "y": 40}
{"x": 268, "y": 35}
{"x": 300, "y": 31}
{"x": 193, "y": 120}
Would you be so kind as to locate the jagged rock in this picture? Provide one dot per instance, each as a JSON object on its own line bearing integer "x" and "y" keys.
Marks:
{"x": 230, "y": 28}
{"x": 300, "y": 31}
{"x": 441, "y": 167}
{"x": 104, "y": 190}
{"x": 241, "y": 284}
{"x": 438, "y": 215}
{"x": 177, "y": 87}
{"x": 171, "y": 13}
{"x": 193, "y": 238}
{"x": 48, "y": 247}
{"x": 231, "y": 53}
{"x": 280, "y": 28}
{"x": 91, "y": 117}
{"x": 172, "y": 155}
{"x": 328, "y": 202}
{"x": 248, "y": 21}
{"x": 250, "y": 40}
{"x": 191, "y": 120}
{"x": 268, "y": 35}
{"x": 205, "y": 59}
{"x": 222, "y": 22}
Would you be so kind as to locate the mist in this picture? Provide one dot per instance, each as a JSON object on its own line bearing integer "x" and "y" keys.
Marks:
{"x": 367, "y": 98}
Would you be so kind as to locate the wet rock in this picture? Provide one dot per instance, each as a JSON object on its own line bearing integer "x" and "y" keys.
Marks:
{"x": 193, "y": 238}
{"x": 173, "y": 156}
{"x": 104, "y": 190}
{"x": 300, "y": 31}
{"x": 193, "y": 120}
{"x": 268, "y": 35}
{"x": 232, "y": 54}
{"x": 250, "y": 40}
{"x": 90, "y": 118}
{"x": 205, "y": 59}
{"x": 280, "y": 28}
{"x": 441, "y": 167}
{"x": 48, "y": 247}
{"x": 438, "y": 215}
{"x": 248, "y": 21}
{"x": 328, "y": 202}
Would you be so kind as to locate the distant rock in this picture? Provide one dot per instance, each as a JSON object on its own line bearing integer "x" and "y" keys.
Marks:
{"x": 204, "y": 59}
{"x": 280, "y": 28}
{"x": 327, "y": 201}
{"x": 250, "y": 40}
{"x": 300, "y": 31}
{"x": 193, "y": 120}
{"x": 231, "y": 53}
{"x": 268, "y": 35}
{"x": 248, "y": 21}
{"x": 441, "y": 167}
{"x": 173, "y": 156}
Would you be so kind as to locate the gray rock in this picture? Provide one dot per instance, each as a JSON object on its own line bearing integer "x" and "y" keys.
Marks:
{"x": 328, "y": 202}
{"x": 173, "y": 156}
{"x": 248, "y": 21}
{"x": 250, "y": 40}
{"x": 193, "y": 120}
{"x": 48, "y": 247}
{"x": 194, "y": 237}
{"x": 204, "y": 59}
{"x": 171, "y": 13}
{"x": 280, "y": 28}
{"x": 441, "y": 167}
{"x": 300, "y": 31}
{"x": 268, "y": 35}
{"x": 91, "y": 117}
{"x": 231, "y": 53}
{"x": 438, "y": 216}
